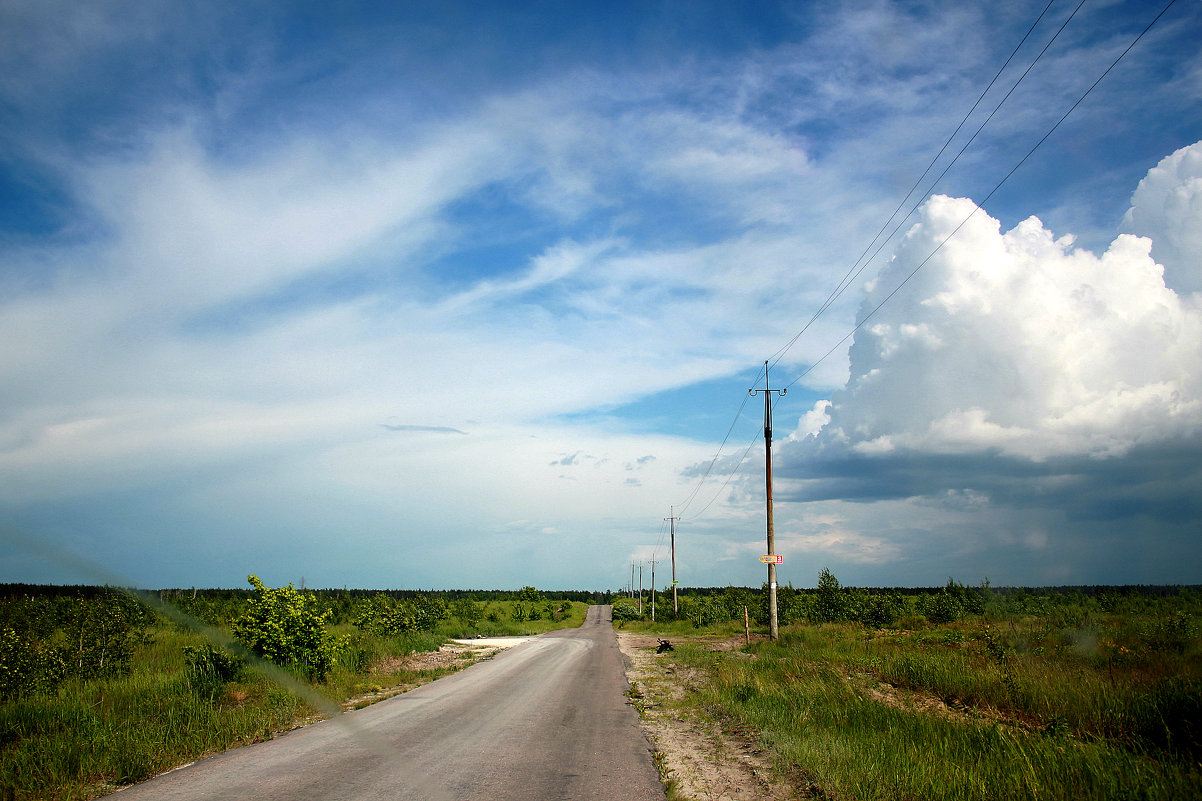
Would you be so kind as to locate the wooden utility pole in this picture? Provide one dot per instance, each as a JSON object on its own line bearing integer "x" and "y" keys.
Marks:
{"x": 653, "y": 590}
{"x": 773, "y": 626}
{"x": 672, "y": 520}
{"x": 640, "y": 588}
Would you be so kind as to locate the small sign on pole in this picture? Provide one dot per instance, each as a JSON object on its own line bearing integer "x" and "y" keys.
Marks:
{"x": 772, "y": 559}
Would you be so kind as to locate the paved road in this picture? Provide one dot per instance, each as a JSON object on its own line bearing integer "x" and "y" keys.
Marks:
{"x": 545, "y": 720}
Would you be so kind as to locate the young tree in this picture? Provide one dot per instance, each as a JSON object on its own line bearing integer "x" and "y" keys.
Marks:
{"x": 285, "y": 626}
{"x": 829, "y": 603}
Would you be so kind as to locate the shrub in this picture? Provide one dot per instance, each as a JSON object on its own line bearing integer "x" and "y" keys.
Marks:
{"x": 942, "y": 607}
{"x": 626, "y": 609}
{"x": 702, "y": 611}
{"x": 102, "y": 633}
{"x": 466, "y": 610}
{"x": 881, "y": 611}
{"x": 388, "y": 617}
{"x": 427, "y": 610}
{"x": 284, "y": 626}
{"x": 27, "y": 666}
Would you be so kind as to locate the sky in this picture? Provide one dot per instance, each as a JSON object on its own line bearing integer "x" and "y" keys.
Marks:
{"x": 472, "y": 295}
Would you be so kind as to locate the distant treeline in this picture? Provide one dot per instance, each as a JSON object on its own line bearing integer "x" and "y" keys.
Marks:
{"x": 908, "y": 607}
{"x": 15, "y": 590}
{"x": 53, "y": 605}
{"x": 225, "y": 593}
{"x": 1088, "y": 590}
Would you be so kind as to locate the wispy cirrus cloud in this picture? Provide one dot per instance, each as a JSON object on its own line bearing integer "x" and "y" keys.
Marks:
{"x": 428, "y": 429}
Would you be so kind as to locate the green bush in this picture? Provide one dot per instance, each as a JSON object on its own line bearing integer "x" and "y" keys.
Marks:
{"x": 701, "y": 610}
{"x": 943, "y": 607}
{"x": 626, "y": 609}
{"x": 466, "y": 610}
{"x": 284, "y": 626}
{"x": 881, "y": 611}
{"x": 427, "y": 610}
{"x": 102, "y": 634}
{"x": 27, "y": 666}
{"x": 384, "y": 616}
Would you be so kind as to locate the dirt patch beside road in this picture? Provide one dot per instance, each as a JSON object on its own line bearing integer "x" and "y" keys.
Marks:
{"x": 452, "y": 656}
{"x": 705, "y": 762}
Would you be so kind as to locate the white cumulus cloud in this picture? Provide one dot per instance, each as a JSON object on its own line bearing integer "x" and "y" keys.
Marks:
{"x": 1167, "y": 208}
{"x": 1018, "y": 341}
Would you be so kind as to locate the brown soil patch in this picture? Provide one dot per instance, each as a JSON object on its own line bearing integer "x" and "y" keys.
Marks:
{"x": 924, "y": 703}
{"x": 704, "y": 761}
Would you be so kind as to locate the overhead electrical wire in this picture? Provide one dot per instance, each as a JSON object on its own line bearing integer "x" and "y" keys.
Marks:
{"x": 853, "y": 272}
{"x": 697, "y": 488}
{"x": 660, "y": 542}
{"x": 992, "y": 192}
{"x": 861, "y": 263}
{"x": 731, "y": 475}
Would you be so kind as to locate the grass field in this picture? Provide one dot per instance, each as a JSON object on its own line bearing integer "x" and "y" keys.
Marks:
{"x": 1072, "y": 702}
{"x": 89, "y": 736}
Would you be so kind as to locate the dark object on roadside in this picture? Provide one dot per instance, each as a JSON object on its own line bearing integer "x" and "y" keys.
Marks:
{"x": 664, "y": 645}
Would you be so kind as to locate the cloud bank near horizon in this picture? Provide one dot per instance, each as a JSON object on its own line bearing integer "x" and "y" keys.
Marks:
{"x": 1036, "y": 392}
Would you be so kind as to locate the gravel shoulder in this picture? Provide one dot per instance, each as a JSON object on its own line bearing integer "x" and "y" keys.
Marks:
{"x": 704, "y": 761}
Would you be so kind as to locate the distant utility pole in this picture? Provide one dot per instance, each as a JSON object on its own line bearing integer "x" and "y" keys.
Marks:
{"x": 652, "y": 590}
{"x": 640, "y": 588}
{"x": 672, "y": 519}
{"x": 632, "y": 579}
{"x": 773, "y": 626}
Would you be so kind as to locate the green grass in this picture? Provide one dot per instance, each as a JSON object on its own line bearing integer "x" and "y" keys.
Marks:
{"x": 681, "y": 628}
{"x": 1034, "y": 712}
{"x": 89, "y": 737}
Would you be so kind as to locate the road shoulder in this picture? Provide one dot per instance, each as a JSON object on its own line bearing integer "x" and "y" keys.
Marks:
{"x": 702, "y": 759}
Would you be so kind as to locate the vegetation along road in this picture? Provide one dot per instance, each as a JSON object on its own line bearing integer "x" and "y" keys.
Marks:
{"x": 546, "y": 719}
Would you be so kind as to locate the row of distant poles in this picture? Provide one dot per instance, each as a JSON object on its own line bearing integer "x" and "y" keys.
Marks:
{"x": 675, "y": 604}
{"x": 770, "y": 558}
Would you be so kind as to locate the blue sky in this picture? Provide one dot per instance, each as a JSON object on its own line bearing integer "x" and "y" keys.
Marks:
{"x": 470, "y": 295}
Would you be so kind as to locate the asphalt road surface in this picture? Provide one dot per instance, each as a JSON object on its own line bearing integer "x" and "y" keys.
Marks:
{"x": 544, "y": 720}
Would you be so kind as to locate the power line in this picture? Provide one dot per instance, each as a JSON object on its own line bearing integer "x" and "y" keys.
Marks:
{"x": 853, "y": 271}
{"x": 697, "y": 488}
{"x": 862, "y": 263}
{"x": 738, "y": 466}
{"x": 992, "y": 192}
